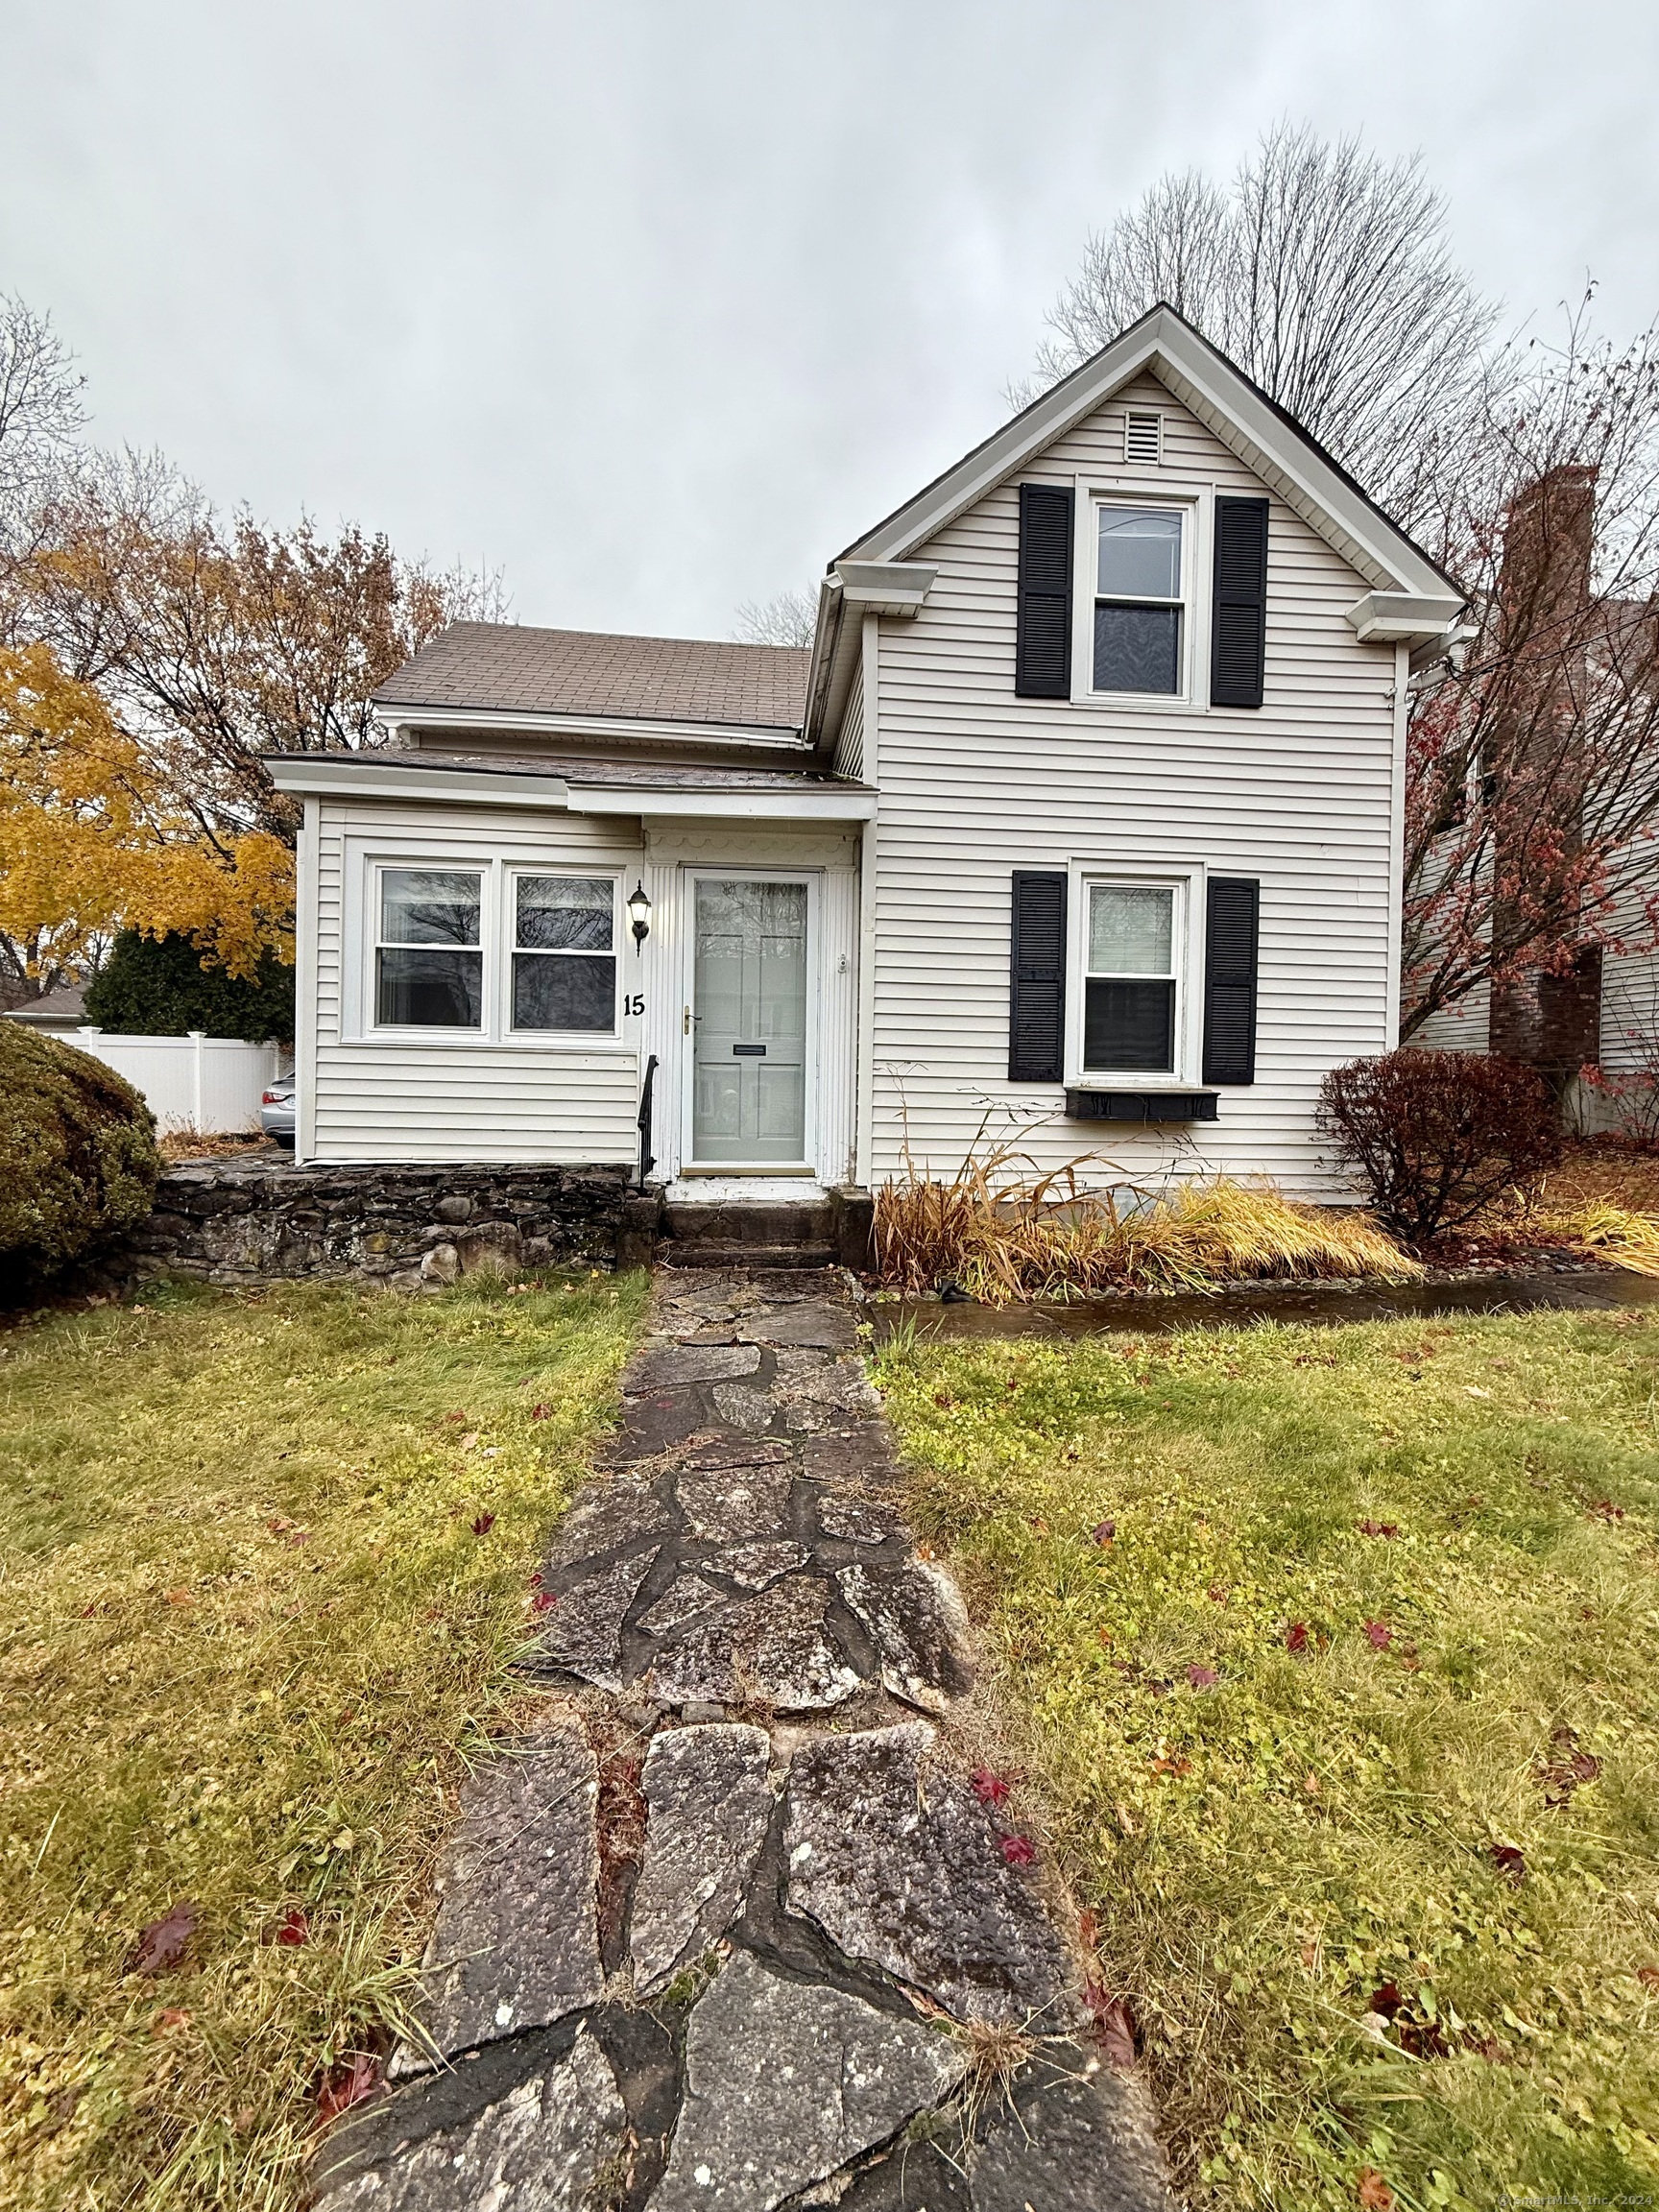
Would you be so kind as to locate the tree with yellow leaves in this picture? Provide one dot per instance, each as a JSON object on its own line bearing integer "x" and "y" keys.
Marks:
{"x": 96, "y": 836}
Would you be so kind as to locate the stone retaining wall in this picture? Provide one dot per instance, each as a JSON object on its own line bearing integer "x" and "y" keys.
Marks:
{"x": 249, "y": 1220}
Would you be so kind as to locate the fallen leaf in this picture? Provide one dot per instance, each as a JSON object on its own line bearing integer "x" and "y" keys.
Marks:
{"x": 1379, "y": 1527}
{"x": 1379, "y": 1635}
{"x": 1387, "y": 2000}
{"x": 543, "y": 1602}
{"x": 540, "y": 1412}
{"x": 1310, "y": 1784}
{"x": 1217, "y": 1593}
{"x": 180, "y": 1598}
{"x": 1104, "y": 1531}
{"x": 1604, "y": 1509}
{"x": 1176, "y": 1765}
{"x": 1202, "y": 1677}
{"x": 484, "y": 1524}
{"x": 1510, "y": 1862}
{"x": 161, "y": 1944}
{"x": 1088, "y": 1927}
{"x": 293, "y": 1929}
{"x": 1374, "y": 2193}
{"x": 1296, "y": 1637}
{"x": 1113, "y": 2026}
{"x": 990, "y": 1788}
{"x": 1038, "y": 1522}
{"x": 945, "y": 1404}
{"x": 347, "y": 2084}
{"x": 1017, "y": 1850}
{"x": 470, "y": 1439}
{"x": 169, "y": 2017}
{"x": 1648, "y": 1977}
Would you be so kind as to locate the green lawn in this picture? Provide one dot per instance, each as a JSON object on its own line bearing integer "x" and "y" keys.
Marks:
{"x": 253, "y": 1611}
{"x": 1292, "y": 1766}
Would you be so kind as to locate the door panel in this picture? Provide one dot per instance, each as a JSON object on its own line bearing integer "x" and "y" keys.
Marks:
{"x": 749, "y": 1021}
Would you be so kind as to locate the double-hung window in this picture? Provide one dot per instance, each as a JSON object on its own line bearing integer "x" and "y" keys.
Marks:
{"x": 1131, "y": 988}
{"x": 1140, "y": 613}
{"x": 563, "y": 953}
{"x": 430, "y": 948}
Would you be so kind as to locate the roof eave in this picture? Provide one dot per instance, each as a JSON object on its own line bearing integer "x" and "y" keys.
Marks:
{"x": 394, "y": 714}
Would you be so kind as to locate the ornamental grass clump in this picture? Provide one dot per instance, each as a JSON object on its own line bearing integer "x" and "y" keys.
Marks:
{"x": 1004, "y": 1233}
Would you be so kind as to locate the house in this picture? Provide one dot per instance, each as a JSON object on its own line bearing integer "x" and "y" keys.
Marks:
{"x": 1080, "y": 821}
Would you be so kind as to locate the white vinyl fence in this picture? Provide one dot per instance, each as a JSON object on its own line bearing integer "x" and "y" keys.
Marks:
{"x": 209, "y": 1083}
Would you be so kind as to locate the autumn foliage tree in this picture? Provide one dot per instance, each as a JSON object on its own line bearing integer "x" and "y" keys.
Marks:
{"x": 1532, "y": 775}
{"x": 96, "y": 835}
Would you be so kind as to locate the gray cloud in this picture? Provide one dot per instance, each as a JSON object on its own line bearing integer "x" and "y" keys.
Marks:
{"x": 658, "y": 305}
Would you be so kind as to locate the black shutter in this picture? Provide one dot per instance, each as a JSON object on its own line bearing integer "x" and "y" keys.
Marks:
{"x": 1239, "y": 634}
{"x": 1037, "y": 978}
{"x": 1232, "y": 916}
{"x": 1042, "y": 639}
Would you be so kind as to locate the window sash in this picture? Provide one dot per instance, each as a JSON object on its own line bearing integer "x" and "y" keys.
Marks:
{"x": 534, "y": 986}
{"x": 1174, "y": 647}
{"x": 1133, "y": 1018}
{"x": 429, "y": 982}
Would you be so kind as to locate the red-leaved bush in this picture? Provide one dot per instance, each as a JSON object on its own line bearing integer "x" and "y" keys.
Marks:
{"x": 1439, "y": 1135}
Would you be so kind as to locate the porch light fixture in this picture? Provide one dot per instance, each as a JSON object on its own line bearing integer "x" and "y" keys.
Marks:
{"x": 640, "y": 914}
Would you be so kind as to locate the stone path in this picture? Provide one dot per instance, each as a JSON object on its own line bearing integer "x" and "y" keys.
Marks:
{"x": 734, "y": 1931}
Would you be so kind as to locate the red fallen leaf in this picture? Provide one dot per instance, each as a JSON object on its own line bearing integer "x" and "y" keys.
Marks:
{"x": 1510, "y": 1862}
{"x": 1296, "y": 1637}
{"x": 1374, "y": 2193}
{"x": 1379, "y": 1527}
{"x": 1176, "y": 1766}
{"x": 1088, "y": 1927}
{"x": 347, "y": 2084}
{"x": 1017, "y": 1850}
{"x": 1202, "y": 1677}
{"x": 543, "y": 1602}
{"x": 540, "y": 1412}
{"x": 1104, "y": 1531}
{"x": 990, "y": 1788}
{"x": 460, "y": 1417}
{"x": 180, "y": 1598}
{"x": 300, "y": 1536}
{"x": 1217, "y": 1593}
{"x": 484, "y": 1524}
{"x": 169, "y": 2017}
{"x": 535, "y": 1579}
{"x": 1379, "y": 1635}
{"x": 293, "y": 1929}
{"x": 1113, "y": 2026}
{"x": 1648, "y": 1977}
{"x": 1604, "y": 1509}
{"x": 1387, "y": 2000}
{"x": 161, "y": 1944}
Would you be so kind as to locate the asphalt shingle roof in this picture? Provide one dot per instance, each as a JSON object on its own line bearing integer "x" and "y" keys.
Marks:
{"x": 526, "y": 671}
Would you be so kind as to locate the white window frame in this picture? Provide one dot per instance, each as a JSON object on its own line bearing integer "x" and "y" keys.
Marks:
{"x": 1187, "y": 955}
{"x": 512, "y": 871}
{"x": 1194, "y": 503}
{"x": 388, "y": 864}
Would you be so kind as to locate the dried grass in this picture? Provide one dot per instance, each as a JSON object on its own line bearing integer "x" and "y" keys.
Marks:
{"x": 1006, "y": 1234}
{"x": 1613, "y": 1232}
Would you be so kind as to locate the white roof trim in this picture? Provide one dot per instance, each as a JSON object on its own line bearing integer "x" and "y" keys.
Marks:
{"x": 1208, "y": 384}
{"x": 725, "y": 806}
{"x": 770, "y": 735}
{"x": 356, "y": 777}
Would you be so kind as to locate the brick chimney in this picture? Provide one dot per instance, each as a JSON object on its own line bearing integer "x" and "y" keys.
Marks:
{"x": 1550, "y": 1020}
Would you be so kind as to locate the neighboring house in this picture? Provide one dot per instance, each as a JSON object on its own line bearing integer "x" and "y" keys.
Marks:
{"x": 59, "y": 1012}
{"x": 1080, "y": 822}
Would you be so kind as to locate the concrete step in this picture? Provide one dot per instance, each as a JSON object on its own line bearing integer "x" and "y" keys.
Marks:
{"x": 750, "y": 1221}
{"x": 704, "y": 1252}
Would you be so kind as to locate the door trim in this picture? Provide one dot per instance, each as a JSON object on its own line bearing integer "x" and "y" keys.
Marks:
{"x": 808, "y": 1164}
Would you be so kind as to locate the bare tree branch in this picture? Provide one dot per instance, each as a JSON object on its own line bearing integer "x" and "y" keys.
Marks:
{"x": 791, "y": 619}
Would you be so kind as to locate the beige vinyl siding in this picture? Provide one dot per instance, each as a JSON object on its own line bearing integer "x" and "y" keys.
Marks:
{"x": 456, "y": 1099}
{"x": 975, "y": 783}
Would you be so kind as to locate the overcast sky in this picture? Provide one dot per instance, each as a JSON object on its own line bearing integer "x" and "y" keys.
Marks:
{"x": 656, "y": 304}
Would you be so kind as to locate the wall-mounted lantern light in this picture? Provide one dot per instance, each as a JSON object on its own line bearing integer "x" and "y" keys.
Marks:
{"x": 640, "y": 914}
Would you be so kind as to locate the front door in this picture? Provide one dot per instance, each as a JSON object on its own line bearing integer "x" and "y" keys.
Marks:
{"x": 749, "y": 1021}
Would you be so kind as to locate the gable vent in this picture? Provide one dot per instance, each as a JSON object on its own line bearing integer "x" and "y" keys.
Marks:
{"x": 1143, "y": 437}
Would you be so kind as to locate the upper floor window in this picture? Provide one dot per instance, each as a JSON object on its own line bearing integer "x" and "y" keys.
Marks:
{"x": 563, "y": 957}
{"x": 1138, "y": 598}
{"x": 428, "y": 949}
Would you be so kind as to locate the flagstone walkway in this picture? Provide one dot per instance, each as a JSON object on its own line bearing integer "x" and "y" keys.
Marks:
{"x": 734, "y": 1931}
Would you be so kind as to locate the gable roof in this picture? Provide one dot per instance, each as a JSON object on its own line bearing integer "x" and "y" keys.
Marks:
{"x": 1265, "y": 438}
{"x": 519, "y": 670}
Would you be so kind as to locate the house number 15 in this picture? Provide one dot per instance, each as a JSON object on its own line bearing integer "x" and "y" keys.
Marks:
{"x": 633, "y": 1004}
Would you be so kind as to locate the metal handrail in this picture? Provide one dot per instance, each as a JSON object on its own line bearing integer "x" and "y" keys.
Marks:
{"x": 647, "y": 1160}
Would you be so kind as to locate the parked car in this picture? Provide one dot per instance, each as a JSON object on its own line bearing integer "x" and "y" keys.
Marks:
{"x": 276, "y": 1110}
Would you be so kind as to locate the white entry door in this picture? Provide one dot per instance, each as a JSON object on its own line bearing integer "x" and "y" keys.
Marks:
{"x": 750, "y": 951}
